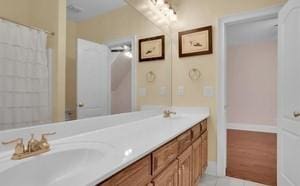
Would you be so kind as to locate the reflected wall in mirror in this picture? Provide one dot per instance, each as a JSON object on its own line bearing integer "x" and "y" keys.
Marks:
{"x": 104, "y": 75}
{"x": 89, "y": 67}
{"x": 32, "y": 71}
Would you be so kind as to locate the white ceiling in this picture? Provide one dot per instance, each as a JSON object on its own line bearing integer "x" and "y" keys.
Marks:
{"x": 90, "y": 8}
{"x": 262, "y": 30}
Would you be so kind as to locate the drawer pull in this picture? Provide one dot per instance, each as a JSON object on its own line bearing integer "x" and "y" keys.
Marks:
{"x": 170, "y": 157}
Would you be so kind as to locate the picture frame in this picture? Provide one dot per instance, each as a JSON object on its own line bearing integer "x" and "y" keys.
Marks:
{"x": 195, "y": 42}
{"x": 152, "y": 48}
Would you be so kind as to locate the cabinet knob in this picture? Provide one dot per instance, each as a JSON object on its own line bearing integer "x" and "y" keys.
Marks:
{"x": 80, "y": 105}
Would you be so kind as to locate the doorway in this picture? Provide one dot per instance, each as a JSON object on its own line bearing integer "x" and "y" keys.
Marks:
{"x": 123, "y": 60}
{"x": 224, "y": 103}
{"x": 105, "y": 78}
{"x": 121, "y": 77}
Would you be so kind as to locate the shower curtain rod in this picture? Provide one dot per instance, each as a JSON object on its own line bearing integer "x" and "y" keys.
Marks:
{"x": 31, "y": 27}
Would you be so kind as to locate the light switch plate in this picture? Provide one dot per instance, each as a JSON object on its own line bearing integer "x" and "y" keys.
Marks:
{"x": 180, "y": 91}
{"x": 163, "y": 91}
{"x": 142, "y": 92}
{"x": 208, "y": 91}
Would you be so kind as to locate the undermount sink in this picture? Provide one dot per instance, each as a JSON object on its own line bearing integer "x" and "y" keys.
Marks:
{"x": 62, "y": 162}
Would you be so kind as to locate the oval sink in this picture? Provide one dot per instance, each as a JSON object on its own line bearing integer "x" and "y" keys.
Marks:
{"x": 62, "y": 162}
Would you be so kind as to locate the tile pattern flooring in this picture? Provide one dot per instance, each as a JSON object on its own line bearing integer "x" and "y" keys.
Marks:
{"x": 225, "y": 181}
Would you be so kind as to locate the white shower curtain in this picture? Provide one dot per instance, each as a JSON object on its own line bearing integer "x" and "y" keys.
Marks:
{"x": 24, "y": 76}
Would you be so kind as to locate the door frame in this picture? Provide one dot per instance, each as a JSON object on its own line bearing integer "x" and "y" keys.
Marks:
{"x": 133, "y": 41}
{"x": 221, "y": 92}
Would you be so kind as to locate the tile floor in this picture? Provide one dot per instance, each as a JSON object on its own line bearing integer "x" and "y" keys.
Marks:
{"x": 225, "y": 181}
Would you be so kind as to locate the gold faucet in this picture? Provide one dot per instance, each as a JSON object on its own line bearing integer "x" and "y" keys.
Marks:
{"x": 167, "y": 113}
{"x": 34, "y": 147}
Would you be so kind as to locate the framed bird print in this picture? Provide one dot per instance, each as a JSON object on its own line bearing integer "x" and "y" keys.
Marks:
{"x": 195, "y": 42}
{"x": 151, "y": 49}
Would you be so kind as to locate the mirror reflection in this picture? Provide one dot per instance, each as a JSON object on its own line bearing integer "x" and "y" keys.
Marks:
{"x": 92, "y": 68}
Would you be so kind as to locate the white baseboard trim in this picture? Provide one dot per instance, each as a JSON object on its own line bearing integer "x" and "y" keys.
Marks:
{"x": 253, "y": 127}
{"x": 211, "y": 168}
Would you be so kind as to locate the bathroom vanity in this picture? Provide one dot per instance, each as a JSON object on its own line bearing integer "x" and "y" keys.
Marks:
{"x": 180, "y": 162}
{"x": 133, "y": 149}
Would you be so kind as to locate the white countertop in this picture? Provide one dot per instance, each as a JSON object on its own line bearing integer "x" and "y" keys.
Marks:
{"x": 125, "y": 143}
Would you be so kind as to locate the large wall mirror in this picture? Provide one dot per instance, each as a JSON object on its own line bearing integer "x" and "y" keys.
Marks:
{"x": 103, "y": 72}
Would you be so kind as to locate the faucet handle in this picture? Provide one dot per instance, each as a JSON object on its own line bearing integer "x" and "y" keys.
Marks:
{"x": 44, "y": 142}
{"x": 48, "y": 134}
{"x": 20, "y": 148}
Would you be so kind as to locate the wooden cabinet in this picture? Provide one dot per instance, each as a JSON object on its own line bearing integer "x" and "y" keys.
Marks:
{"x": 197, "y": 161}
{"x": 164, "y": 156}
{"x": 138, "y": 174}
{"x": 185, "y": 168}
{"x": 204, "y": 151}
{"x": 169, "y": 177}
{"x": 180, "y": 162}
{"x": 196, "y": 132}
{"x": 184, "y": 141}
{"x": 203, "y": 126}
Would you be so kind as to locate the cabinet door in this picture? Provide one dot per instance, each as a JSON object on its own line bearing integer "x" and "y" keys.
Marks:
{"x": 184, "y": 141}
{"x": 169, "y": 177}
{"x": 204, "y": 151}
{"x": 185, "y": 168}
{"x": 164, "y": 156}
{"x": 138, "y": 174}
{"x": 197, "y": 160}
{"x": 196, "y": 132}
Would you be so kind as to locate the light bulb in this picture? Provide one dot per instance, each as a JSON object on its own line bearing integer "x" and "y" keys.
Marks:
{"x": 173, "y": 16}
{"x": 164, "y": 8}
{"x": 128, "y": 54}
{"x": 160, "y": 2}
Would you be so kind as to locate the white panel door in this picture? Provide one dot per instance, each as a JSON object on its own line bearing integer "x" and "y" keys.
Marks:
{"x": 289, "y": 94}
{"x": 92, "y": 79}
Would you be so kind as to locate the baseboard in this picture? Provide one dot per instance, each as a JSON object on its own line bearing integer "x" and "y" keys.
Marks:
{"x": 253, "y": 127}
{"x": 211, "y": 168}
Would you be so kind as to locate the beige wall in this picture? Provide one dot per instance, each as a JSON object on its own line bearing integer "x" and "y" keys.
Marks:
{"x": 118, "y": 24}
{"x": 198, "y": 13}
{"x": 16, "y": 10}
{"x": 51, "y": 16}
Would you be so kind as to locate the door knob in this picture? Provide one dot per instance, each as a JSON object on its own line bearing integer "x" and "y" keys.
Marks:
{"x": 296, "y": 114}
{"x": 80, "y": 105}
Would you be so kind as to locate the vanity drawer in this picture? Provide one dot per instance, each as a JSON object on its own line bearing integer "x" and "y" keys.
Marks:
{"x": 138, "y": 174}
{"x": 162, "y": 157}
{"x": 203, "y": 126}
{"x": 196, "y": 132}
{"x": 184, "y": 141}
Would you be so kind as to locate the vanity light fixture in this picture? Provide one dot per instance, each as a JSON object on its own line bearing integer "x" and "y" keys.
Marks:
{"x": 165, "y": 9}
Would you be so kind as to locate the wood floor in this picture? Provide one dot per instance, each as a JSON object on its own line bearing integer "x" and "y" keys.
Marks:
{"x": 252, "y": 156}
